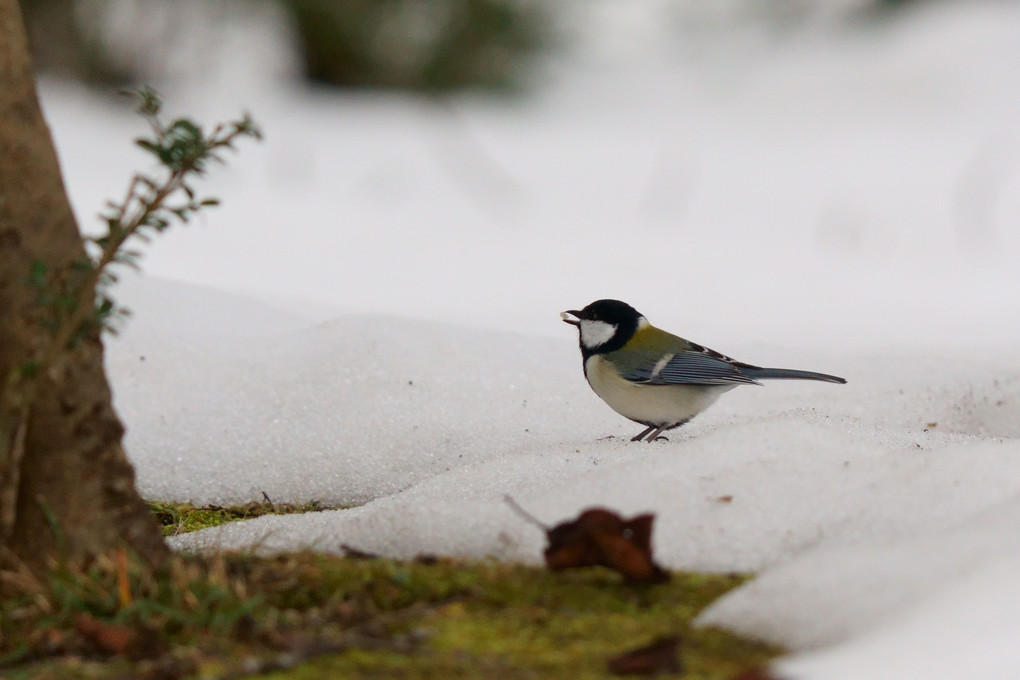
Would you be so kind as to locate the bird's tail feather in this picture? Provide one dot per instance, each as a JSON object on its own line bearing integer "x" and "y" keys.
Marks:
{"x": 759, "y": 373}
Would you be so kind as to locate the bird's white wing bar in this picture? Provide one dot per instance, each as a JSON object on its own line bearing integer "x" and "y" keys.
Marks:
{"x": 661, "y": 364}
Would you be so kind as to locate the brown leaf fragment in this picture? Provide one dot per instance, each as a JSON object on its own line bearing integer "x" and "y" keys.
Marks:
{"x": 661, "y": 656}
{"x": 600, "y": 537}
{"x": 109, "y": 638}
{"x": 116, "y": 639}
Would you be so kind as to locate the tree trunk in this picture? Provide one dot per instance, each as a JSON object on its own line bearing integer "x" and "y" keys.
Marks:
{"x": 66, "y": 487}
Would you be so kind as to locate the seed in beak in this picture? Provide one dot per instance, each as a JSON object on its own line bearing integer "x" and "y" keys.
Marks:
{"x": 566, "y": 317}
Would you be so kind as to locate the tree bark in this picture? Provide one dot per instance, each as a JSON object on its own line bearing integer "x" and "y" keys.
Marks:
{"x": 68, "y": 486}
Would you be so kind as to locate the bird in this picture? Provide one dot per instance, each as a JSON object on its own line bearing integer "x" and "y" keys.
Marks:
{"x": 655, "y": 378}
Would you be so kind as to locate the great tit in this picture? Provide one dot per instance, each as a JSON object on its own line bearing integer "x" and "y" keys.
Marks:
{"x": 656, "y": 378}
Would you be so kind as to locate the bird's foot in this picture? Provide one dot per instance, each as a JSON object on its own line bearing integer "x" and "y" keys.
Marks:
{"x": 641, "y": 435}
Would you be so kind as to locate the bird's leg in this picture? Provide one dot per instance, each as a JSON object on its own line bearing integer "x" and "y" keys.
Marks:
{"x": 655, "y": 435}
{"x": 643, "y": 433}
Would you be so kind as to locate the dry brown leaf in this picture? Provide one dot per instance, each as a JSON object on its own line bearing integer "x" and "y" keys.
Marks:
{"x": 109, "y": 638}
{"x": 117, "y": 639}
{"x": 600, "y": 537}
{"x": 661, "y": 656}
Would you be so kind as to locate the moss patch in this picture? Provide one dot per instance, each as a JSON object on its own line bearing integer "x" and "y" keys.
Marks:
{"x": 309, "y": 615}
{"x": 505, "y": 621}
{"x": 180, "y": 518}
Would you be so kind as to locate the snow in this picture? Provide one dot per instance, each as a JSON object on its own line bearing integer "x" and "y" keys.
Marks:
{"x": 371, "y": 319}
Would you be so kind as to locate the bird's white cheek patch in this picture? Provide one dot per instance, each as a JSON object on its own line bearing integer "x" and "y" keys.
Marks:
{"x": 595, "y": 333}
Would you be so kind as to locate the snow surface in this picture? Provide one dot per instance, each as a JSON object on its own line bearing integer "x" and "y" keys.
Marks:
{"x": 371, "y": 319}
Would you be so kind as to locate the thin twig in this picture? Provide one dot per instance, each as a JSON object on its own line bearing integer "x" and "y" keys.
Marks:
{"x": 515, "y": 506}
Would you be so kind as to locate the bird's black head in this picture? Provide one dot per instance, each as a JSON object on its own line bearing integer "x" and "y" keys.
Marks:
{"x": 604, "y": 325}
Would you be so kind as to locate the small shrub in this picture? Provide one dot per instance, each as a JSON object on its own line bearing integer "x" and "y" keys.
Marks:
{"x": 424, "y": 45}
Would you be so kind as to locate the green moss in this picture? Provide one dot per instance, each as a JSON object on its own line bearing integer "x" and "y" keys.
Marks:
{"x": 506, "y": 621}
{"x": 228, "y": 615}
{"x": 180, "y": 518}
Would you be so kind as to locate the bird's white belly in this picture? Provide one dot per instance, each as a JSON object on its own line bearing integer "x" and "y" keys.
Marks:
{"x": 649, "y": 404}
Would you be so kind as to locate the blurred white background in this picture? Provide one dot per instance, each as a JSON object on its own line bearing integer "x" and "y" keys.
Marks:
{"x": 799, "y": 172}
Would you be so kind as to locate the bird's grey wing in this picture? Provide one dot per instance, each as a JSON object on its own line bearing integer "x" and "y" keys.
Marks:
{"x": 695, "y": 366}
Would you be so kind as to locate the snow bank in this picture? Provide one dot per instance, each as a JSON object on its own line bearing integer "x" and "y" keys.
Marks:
{"x": 868, "y": 508}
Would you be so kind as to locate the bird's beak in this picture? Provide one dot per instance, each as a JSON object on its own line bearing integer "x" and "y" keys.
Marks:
{"x": 571, "y": 313}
